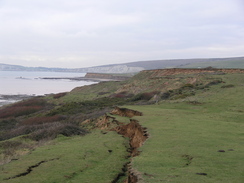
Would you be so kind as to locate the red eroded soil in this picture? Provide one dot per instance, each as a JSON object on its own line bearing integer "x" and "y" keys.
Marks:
{"x": 135, "y": 132}
{"x": 125, "y": 112}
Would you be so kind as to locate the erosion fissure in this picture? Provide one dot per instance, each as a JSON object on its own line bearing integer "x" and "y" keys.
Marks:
{"x": 137, "y": 135}
{"x": 30, "y": 169}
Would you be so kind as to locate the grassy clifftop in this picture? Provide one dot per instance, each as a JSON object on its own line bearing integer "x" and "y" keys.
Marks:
{"x": 188, "y": 128}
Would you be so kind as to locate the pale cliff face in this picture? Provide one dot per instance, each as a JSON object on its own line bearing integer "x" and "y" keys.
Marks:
{"x": 115, "y": 69}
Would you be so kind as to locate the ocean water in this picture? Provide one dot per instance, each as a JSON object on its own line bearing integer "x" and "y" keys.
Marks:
{"x": 13, "y": 83}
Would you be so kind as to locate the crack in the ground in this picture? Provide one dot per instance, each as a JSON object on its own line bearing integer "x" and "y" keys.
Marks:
{"x": 30, "y": 169}
{"x": 137, "y": 135}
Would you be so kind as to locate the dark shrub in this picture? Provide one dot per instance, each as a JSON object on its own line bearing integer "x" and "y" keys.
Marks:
{"x": 10, "y": 144}
{"x": 228, "y": 86}
{"x": 194, "y": 102}
{"x": 50, "y": 131}
{"x": 15, "y": 111}
{"x": 21, "y": 130}
{"x": 9, "y": 148}
{"x": 214, "y": 82}
{"x": 42, "y": 119}
{"x": 70, "y": 130}
{"x": 181, "y": 96}
{"x": 118, "y": 95}
{"x": 188, "y": 85}
{"x": 122, "y": 95}
{"x": 44, "y": 131}
{"x": 23, "y": 108}
{"x": 165, "y": 95}
{"x": 59, "y": 95}
{"x": 6, "y": 124}
{"x": 88, "y": 106}
{"x": 31, "y": 102}
{"x": 103, "y": 93}
{"x": 144, "y": 96}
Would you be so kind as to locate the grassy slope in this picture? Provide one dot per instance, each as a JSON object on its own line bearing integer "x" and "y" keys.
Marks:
{"x": 75, "y": 159}
{"x": 185, "y": 138}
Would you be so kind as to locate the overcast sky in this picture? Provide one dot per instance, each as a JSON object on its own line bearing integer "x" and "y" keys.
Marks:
{"x": 84, "y": 33}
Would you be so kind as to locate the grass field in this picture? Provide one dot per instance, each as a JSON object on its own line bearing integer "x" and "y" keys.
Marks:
{"x": 185, "y": 139}
{"x": 95, "y": 157}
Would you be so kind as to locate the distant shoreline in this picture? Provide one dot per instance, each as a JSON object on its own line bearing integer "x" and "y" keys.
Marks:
{"x": 78, "y": 79}
{"x": 9, "y": 99}
{"x": 93, "y": 77}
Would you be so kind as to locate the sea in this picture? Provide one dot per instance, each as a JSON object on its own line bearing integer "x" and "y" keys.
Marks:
{"x": 16, "y": 85}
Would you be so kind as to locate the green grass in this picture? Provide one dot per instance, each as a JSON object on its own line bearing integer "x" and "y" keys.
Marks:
{"x": 90, "y": 92}
{"x": 74, "y": 159}
{"x": 185, "y": 138}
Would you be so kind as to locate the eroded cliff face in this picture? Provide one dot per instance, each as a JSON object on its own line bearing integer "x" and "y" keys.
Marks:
{"x": 105, "y": 76}
{"x": 125, "y": 112}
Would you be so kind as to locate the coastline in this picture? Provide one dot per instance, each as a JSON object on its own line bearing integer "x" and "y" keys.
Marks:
{"x": 78, "y": 79}
{"x": 9, "y": 99}
{"x": 6, "y": 99}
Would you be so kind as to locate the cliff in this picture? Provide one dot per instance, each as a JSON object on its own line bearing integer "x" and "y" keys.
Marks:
{"x": 105, "y": 76}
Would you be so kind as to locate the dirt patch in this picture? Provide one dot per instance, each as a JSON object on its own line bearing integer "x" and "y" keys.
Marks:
{"x": 135, "y": 132}
{"x": 107, "y": 122}
{"x": 125, "y": 112}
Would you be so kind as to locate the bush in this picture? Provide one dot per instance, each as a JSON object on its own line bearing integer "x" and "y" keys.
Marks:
{"x": 228, "y": 86}
{"x": 10, "y": 144}
{"x": 9, "y": 148}
{"x": 23, "y": 108}
{"x": 50, "y": 131}
{"x": 165, "y": 95}
{"x": 122, "y": 95}
{"x": 59, "y": 95}
{"x": 144, "y": 96}
{"x": 6, "y": 124}
{"x": 21, "y": 130}
{"x": 188, "y": 85}
{"x": 181, "y": 96}
{"x": 214, "y": 82}
{"x": 42, "y": 119}
{"x": 103, "y": 93}
{"x": 88, "y": 106}
{"x": 44, "y": 131}
{"x": 14, "y": 111}
{"x": 31, "y": 102}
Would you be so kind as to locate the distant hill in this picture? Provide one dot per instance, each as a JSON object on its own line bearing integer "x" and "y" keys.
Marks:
{"x": 239, "y": 63}
{"x": 134, "y": 67}
{"x": 8, "y": 67}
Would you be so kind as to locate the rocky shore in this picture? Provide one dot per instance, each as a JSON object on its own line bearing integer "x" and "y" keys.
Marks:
{"x": 93, "y": 77}
{"x": 8, "y": 99}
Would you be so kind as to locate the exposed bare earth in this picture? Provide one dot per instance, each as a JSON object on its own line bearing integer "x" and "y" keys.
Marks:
{"x": 133, "y": 130}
